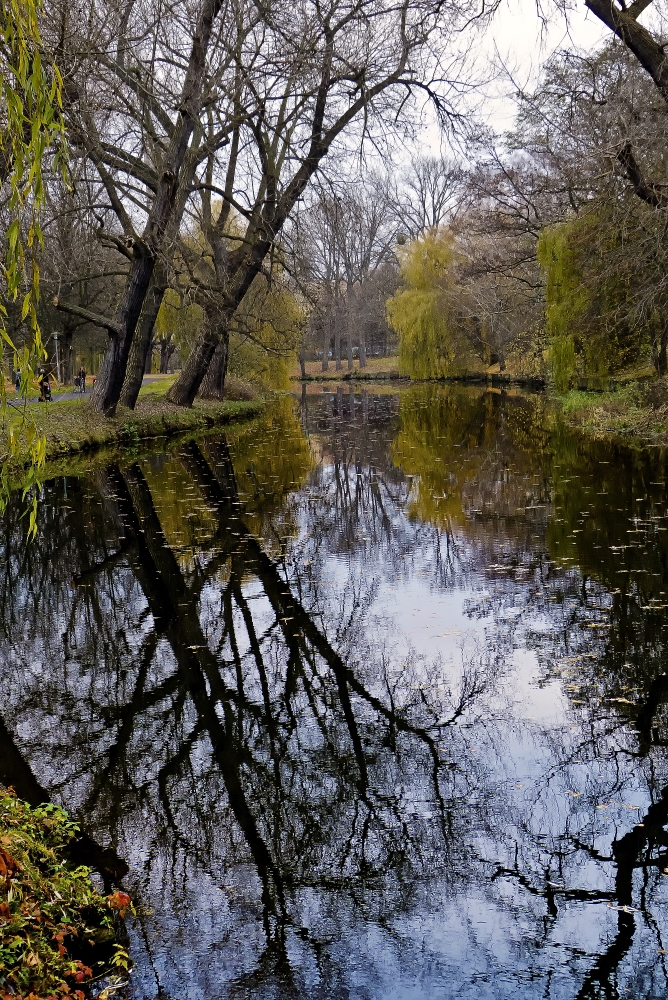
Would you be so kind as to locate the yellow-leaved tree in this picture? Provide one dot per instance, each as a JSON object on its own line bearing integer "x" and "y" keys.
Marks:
{"x": 266, "y": 332}
{"x": 177, "y": 325}
{"x": 421, "y": 310}
{"x": 30, "y": 124}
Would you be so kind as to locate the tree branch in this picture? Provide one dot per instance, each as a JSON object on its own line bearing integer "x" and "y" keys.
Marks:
{"x": 636, "y": 8}
{"x": 113, "y": 329}
{"x": 649, "y": 193}
{"x": 639, "y": 40}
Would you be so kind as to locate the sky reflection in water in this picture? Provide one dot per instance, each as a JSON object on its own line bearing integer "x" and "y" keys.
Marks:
{"x": 370, "y": 696}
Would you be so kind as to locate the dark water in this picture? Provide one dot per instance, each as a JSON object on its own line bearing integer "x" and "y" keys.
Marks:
{"x": 370, "y": 696}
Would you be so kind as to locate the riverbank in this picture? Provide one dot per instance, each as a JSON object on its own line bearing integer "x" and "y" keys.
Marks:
{"x": 634, "y": 408}
{"x": 71, "y": 427}
{"x": 387, "y": 370}
{"x": 636, "y": 411}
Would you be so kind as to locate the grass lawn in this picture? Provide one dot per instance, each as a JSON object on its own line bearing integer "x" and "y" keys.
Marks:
{"x": 375, "y": 368}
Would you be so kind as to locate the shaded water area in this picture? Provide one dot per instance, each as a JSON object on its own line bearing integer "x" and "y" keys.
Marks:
{"x": 369, "y": 695}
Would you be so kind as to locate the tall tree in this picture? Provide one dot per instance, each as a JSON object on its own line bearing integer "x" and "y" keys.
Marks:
{"x": 427, "y": 194}
{"x": 249, "y": 117}
{"x": 345, "y": 236}
{"x": 139, "y": 128}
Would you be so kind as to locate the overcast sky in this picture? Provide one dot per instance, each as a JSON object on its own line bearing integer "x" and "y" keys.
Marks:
{"x": 522, "y": 42}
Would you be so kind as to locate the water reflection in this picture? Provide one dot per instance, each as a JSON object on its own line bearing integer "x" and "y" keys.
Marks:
{"x": 219, "y": 658}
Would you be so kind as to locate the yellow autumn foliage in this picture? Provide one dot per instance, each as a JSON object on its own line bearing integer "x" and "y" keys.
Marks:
{"x": 420, "y": 311}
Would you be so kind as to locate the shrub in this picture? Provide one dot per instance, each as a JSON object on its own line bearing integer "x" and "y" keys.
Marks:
{"x": 57, "y": 932}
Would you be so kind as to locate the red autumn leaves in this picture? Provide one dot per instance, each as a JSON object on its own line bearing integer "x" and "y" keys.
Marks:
{"x": 8, "y": 868}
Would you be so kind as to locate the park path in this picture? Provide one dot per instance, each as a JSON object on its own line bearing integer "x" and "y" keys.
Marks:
{"x": 64, "y": 396}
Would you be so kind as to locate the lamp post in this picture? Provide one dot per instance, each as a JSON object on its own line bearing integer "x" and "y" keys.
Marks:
{"x": 55, "y": 340}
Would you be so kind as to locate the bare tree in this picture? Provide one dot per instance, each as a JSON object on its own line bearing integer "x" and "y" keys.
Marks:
{"x": 134, "y": 99}
{"x": 337, "y": 76}
{"x": 427, "y": 194}
{"x": 367, "y": 242}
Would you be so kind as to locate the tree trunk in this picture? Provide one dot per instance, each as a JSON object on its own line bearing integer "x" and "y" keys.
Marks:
{"x": 302, "y": 362}
{"x": 217, "y": 328}
{"x": 659, "y": 345}
{"x": 648, "y": 51}
{"x": 304, "y": 408}
{"x": 109, "y": 383}
{"x": 166, "y": 351}
{"x": 362, "y": 345}
{"x": 213, "y": 383}
{"x": 337, "y": 335}
{"x": 141, "y": 343}
{"x": 66, "y": 360}
{"x": 111, "y": 375}
{"x": 326, "y": 343}
{"x": 187, "y": 385}
{"x": 350, "y": 310}
{"x": 148, "y": 362}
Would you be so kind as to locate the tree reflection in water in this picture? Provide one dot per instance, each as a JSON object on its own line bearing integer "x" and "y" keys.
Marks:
{"x": 197, "y": 661}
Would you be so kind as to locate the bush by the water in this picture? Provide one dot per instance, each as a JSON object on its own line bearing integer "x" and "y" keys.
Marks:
{"x": 58, "y": 934}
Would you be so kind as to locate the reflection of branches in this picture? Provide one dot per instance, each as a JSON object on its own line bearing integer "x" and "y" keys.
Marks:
{"x": 627, "y": 853}
{"x": 165, "y": 589}
{"x": 16, "y": 773}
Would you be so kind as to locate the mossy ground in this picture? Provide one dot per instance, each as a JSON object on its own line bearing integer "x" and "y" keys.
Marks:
{"x": 58, "y": 934}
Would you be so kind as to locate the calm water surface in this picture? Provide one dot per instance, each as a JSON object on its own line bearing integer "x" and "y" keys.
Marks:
{"x": 370, "y": 695}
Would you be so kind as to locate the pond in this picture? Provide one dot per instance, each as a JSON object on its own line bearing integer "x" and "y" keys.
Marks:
{"x": 369, "y": 695}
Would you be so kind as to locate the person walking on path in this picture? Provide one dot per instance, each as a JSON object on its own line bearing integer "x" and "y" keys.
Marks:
{"x": 82, "y": 378}
{"x": 44, "y": 388}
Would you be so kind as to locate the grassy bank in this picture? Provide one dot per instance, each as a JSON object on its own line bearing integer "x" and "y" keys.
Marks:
{"x": 58, "y": 934}
{"x": 376, "y": 368}
{"x": 72, "y": 427}
{"x": 387, "y": 369}
{"x": 636, "y": 411}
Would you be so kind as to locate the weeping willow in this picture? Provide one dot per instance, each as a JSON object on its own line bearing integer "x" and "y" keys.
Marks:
{"x": 419, "y": 310}
{"x": 591, "y": 315}
{"x": 178, "y": 320}
{"x": 267, "y": 331}
{"x": 30, "y": 124}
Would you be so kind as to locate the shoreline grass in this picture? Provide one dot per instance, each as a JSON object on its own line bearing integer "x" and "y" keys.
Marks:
{"x": 71, "y": 427}
{"x": 636, "y": 411}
